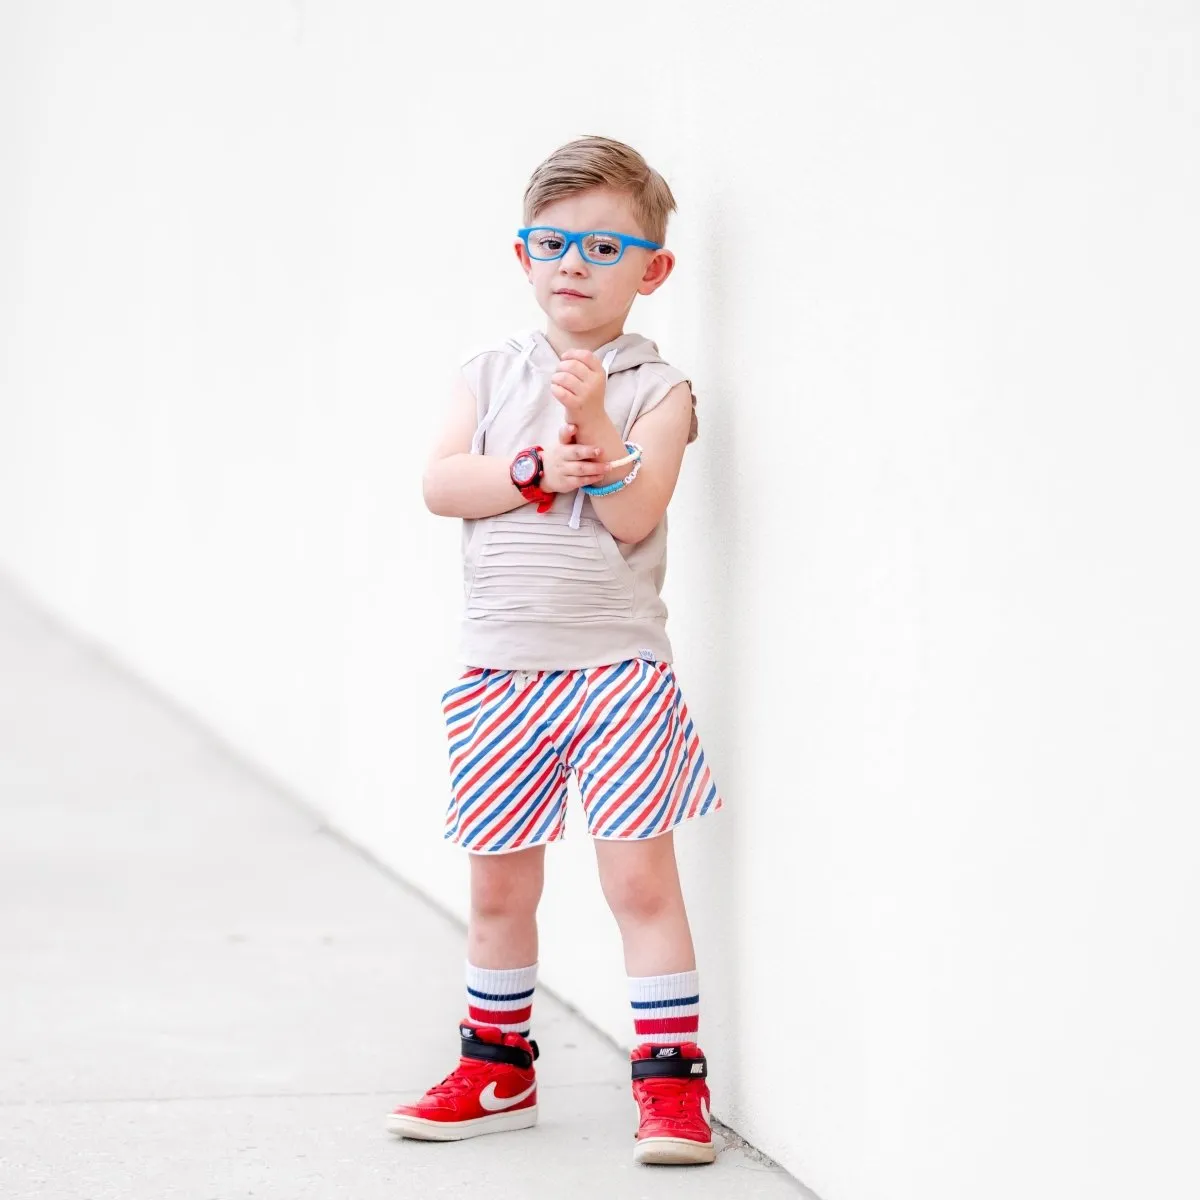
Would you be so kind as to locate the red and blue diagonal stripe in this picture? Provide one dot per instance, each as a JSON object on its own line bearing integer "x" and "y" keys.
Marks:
{"x": 623, "y": 728}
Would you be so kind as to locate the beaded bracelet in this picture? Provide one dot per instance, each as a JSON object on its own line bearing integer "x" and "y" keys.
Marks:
{"x": 635, "y": 456}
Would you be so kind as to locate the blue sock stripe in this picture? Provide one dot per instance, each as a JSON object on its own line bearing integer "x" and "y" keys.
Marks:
{"x": 489, "y": 996}
{"x": 665, "y": 1003}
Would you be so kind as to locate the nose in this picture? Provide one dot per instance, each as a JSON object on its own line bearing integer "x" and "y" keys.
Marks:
{"x": 573, "y": 263}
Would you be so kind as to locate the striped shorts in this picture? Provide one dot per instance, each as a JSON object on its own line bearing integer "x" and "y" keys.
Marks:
{"x": 623, "y": 729}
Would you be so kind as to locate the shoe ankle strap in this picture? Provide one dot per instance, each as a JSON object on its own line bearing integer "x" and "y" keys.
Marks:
{"x": 474, "y": 1047}
{"x": 675, "y": 1068}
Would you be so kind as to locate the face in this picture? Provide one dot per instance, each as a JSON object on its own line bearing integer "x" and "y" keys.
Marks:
{"x": 580, "y": 297}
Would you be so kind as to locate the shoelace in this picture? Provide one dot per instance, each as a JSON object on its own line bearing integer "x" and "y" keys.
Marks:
{"x": 461, "y": 1079}
{"x": 669, "y": 1098}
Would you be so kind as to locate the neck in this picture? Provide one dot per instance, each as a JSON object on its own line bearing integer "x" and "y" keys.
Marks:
{"x": 592, "y": 339}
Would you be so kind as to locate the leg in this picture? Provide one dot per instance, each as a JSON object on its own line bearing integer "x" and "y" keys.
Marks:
{"x": 640, "y": 880}
{"x": 641, "y": 884}
{"x": 502, "y": 941}
{"x": 505, "y": 891}
{"x": 494, "y": 1088}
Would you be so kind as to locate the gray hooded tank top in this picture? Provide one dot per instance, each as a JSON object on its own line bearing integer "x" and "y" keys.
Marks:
{"x": 555, "y": 590}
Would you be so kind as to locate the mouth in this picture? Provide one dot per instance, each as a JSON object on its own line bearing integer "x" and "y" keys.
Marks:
{"x": 571, "y": 294}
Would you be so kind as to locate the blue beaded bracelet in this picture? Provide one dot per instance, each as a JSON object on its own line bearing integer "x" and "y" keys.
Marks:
{"x": 621, "y": 484}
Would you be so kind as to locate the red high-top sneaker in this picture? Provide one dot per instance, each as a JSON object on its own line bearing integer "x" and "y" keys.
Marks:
{"x": 669, "y": 1087}
{"x": 493, "y": 1089}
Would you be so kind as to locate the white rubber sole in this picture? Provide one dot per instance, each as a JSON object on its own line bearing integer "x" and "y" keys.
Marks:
{"x": 673, "y": 1151}
{"x": 425, "y": 1130}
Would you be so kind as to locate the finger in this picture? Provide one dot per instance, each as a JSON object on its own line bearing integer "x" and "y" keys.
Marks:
{"x": 586, "y": 452}
{"x": 587, "y": 357}
{"x": 566, "y": 434}
{"x": 567, "y": 379}
{"x": 561, "y": 394}
{"x": 574, "y": 368}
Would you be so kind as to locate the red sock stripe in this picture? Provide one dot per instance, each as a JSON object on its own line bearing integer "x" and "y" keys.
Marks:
{"x": 493, "y": 1016}
{"x": 648, "y": 1028}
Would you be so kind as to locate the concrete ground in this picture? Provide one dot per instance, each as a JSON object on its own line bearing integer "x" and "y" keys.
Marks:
{"x": 204, "y": 994}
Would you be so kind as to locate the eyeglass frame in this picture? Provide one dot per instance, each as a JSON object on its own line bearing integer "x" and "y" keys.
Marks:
{"x": 625, "y": 240}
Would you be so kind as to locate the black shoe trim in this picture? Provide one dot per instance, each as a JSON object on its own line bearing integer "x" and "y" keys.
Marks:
{"x": 473, "y": 1047}
{"x": 674, "y": 1068}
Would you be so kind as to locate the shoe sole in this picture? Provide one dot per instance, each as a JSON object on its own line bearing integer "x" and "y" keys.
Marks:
{"x": 673, "y": 1151}
{"x": 425, "y": 1130}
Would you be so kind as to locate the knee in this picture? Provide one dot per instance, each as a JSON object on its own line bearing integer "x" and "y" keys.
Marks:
{"x": 498, "y": 895}
{"x": 637, "y": 895}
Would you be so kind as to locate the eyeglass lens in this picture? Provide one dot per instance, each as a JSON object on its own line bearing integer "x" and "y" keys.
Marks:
{"x": 548, "y": 244}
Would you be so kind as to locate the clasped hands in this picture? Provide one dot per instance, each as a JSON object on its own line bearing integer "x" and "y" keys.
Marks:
{"x": 578, "y": 385}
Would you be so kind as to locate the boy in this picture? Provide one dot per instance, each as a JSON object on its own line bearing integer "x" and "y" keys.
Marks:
{"x": 564, "y": 545}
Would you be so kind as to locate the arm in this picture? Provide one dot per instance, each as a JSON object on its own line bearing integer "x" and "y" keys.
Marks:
{"x": 632, "y": 513}
{"x": 458, "y": 483}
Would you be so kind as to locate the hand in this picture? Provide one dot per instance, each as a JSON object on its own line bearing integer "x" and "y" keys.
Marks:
{"x": 567, "y": 466}
{"x": 578, "y": 384}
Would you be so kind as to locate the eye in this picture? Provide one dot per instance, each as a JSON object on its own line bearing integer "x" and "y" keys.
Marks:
{"x": 604, "y": 248}
{"x": 548, "y": 243}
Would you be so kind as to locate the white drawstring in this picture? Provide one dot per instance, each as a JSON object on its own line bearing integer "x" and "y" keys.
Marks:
{"x": 511, "y": 381}
{"x": 577, "y": 507}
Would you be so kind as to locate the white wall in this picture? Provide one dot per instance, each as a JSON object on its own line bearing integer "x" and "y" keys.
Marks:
{"x": 933, "y": 574}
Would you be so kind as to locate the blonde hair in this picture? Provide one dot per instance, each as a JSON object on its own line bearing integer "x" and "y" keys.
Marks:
{"x": 590, "y": 162}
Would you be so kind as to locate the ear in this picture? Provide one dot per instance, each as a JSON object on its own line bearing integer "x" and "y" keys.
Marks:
{"x": 657, "y": 270}
{"x": 523, "y": 258}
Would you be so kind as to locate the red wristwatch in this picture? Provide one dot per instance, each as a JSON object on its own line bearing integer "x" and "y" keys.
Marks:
{"x": 526, "y": 473}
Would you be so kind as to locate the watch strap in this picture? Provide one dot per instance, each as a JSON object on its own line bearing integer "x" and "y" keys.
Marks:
{"x": 539, "y": 496}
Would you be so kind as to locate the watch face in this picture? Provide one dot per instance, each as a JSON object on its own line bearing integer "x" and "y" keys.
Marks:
{"x": 524, "y": 468}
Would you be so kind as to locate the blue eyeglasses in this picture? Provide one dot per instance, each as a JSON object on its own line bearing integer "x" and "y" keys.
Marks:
{"x": 597, "y": 246}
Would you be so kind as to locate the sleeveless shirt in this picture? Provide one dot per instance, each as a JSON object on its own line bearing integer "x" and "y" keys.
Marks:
{"x": 555, "y": 590}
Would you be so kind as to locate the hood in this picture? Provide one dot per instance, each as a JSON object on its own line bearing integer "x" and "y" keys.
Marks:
{"x": 628, "y": 351}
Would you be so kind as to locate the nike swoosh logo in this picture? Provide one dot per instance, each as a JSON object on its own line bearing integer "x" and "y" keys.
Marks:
{"x": 705, "y": 1114}
{"x": 490, "y": 1102}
